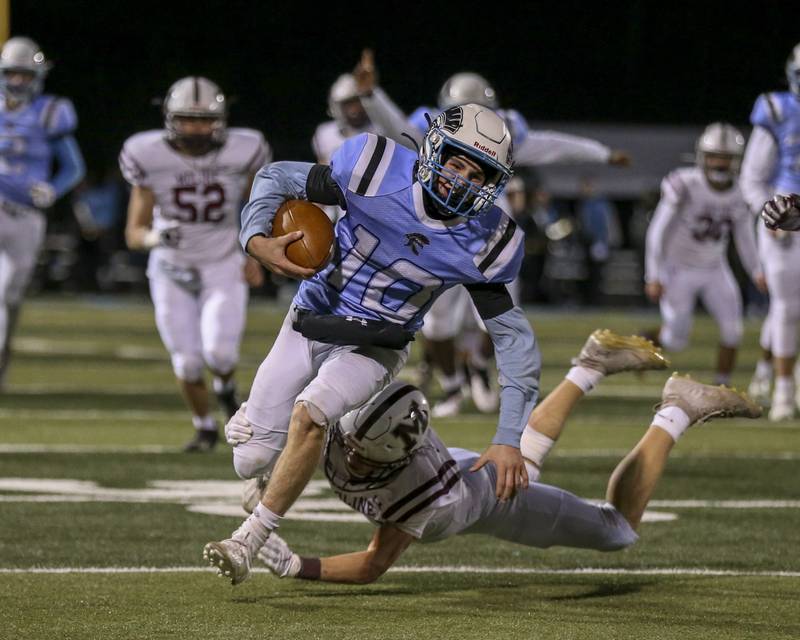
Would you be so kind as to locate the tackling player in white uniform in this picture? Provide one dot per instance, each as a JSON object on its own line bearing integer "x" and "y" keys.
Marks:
{"x": 687, "y": 243}
{"x": 385, "y": 462}
{"x": 189, "y": 181}
{"x": 771, "y": 167}
{"x": 453, "y": 314}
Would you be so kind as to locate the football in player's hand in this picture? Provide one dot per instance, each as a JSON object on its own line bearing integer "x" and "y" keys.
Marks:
{"x": 315, "y": 248}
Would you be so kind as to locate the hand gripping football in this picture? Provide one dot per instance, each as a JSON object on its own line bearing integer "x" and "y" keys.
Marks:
{"x": 315, "y": 248}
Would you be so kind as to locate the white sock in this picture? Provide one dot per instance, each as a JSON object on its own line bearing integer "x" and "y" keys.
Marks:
{"x": 784, "y": 389}
{"x": 204, "y": 423}
{"x": 764, "y": 369}
{"x": 256, "y": 529}
{"x": 534, "y": 447}
{"x": 586, "y": 379}
{"x": 223, "y": 386}
{"x": 673, "y": 420}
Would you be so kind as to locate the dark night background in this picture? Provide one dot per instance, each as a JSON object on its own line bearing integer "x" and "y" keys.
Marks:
{"x": 628, "y": 61}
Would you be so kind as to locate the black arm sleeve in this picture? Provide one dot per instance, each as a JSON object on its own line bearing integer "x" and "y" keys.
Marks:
{"x": 490, "y": 299}
{"x": 322, "y": 188}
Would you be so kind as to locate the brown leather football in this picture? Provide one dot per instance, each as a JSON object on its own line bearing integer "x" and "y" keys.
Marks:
{"x": 315, "y": 248}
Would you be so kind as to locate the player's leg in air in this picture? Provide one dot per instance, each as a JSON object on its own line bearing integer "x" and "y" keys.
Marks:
{"x": 605, "y": 353}
{"x": 547, "y": 516}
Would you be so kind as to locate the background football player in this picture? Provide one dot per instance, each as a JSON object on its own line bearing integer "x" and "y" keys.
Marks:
{"x": 37, "y": 129}
{"x": 687, "y": 241}
{"x": 416, "y": 225}
{"x": 453, "y": 314}
{"x": 188, "y": 182}
{"x": 387, "y": 463}
{"x": 771, "y": 166}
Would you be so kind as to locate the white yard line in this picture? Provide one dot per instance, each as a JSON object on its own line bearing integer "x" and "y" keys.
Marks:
{"x": 451, "y": 569}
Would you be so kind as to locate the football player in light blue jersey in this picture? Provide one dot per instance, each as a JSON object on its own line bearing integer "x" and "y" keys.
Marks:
{"x": 416, "y": 224}
{"x": 36, "y": 130}
{"x": 771, "y": 166}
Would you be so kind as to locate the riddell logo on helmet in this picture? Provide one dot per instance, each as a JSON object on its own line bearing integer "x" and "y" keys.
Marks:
{"x": 491, "y": 152}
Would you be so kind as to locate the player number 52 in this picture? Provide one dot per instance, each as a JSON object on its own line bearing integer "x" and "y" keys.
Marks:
{"x": 198, "y": 203}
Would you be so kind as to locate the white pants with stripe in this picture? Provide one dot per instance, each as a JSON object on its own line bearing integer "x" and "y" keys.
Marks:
{"x": 330, "y": 379}
{"x": 204, "y": 327}
{"x": 719, "y": 292}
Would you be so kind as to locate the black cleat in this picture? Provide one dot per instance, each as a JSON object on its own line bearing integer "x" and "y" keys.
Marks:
{"x": 204, "y": 440}
{"x": 229, "y": 402}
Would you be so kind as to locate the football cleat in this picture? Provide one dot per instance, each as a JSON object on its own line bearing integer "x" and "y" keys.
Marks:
{"x": 610, "y": 353}
{"x": 449, "y": 406}
{"x": 702, "y": 402}
{"x": 204, "y": 440}
{"x": 759, "y": 389}
{"x": 253, "y": 491}
{"x": 230, "y": 557}
{"x": 484, "y": 395}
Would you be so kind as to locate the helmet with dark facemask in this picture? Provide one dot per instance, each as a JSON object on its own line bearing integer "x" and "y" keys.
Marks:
{"x": 720, "y": 141}
{"x": 195, "y": 97}
{"x": 23, "y": 69}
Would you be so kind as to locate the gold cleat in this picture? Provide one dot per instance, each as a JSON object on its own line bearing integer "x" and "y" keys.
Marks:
{"x": 610, "y": 353}
{"x": 702, "y": 402}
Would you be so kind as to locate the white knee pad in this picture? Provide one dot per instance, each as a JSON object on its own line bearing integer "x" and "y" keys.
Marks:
{"x": 730, "y": 332}
{"x": 221, "y": 360}
{"x": 258, "y": 455}
{"x": 187, "y": 366}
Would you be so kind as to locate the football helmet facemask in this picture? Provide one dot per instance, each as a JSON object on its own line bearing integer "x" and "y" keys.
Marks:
{"x": 379, "y": 437}
{"x": 23, "y": 69}
{"x": 344, "y": 105}
{"x": 466, "y": 88}
{"x": 477, "y": 134}
{"x": 793, "y": 70}
{"x": 199, "y": 99}
{"x": 719, "y": 152}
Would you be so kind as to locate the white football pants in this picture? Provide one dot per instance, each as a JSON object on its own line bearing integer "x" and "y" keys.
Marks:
{"x": 780, "y": 255}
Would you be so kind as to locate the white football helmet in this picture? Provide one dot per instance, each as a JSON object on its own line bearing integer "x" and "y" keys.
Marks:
{"x": 467, "y": 87}
{"x": 793, "y": 70}
{"x": 482, "y": 136}
{"x": 380, "y": 436}
{"x": 196, "y": 97}
{"x": 22, "y": 55}
{"x": 343, "y": 91}
{"x": 719, "y": 151}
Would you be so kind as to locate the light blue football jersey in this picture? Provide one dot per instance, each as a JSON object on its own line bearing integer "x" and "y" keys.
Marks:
{"x": 392, "y": 260}
{"x": 779, "y": 113}
{"x": 516, "y": 124}
{"x": 26, "y": 135}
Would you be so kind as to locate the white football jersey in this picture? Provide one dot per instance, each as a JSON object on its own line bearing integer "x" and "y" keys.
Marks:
{"x": 427, "y": 499}
{"x": 693, "y": 222}
{"x": 203, "y": 195}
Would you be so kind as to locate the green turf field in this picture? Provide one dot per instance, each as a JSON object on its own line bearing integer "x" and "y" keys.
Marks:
{"x": 103, "y": 520}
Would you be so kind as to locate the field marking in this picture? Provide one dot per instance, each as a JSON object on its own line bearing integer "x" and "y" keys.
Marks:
{"x": 451, "y": 569}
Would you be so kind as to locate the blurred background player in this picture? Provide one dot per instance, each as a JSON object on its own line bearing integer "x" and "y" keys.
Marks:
{"x": 387, "y": 463}
{"x": 188, "y": 183}
{"x": 687, "y": 242}
{"x": 453, "y": 313}
{"x": 37, "y": 130}
{"x": 771, "y": 167}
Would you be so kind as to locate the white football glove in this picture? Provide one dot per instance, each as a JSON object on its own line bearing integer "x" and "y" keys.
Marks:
{"x": 280, "y": 559}
{"x": 782, "y": 212}
{"x": 238, "y": 429}
{"x": 164, "y": 237}
{"x": 43, "y": 195}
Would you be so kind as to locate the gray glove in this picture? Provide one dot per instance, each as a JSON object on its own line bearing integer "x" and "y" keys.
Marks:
{"x": 782, "y": 212}
{"x": 238, "y": 429}
{"x": 280, "y": 559}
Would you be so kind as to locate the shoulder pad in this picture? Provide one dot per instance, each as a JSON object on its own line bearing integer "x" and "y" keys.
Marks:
{"x": 767, "y": 111}
{"x": 58, "y": 117}
{"x": 366, "y": 165}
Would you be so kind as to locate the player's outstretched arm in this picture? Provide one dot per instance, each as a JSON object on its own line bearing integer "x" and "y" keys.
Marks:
{"x": 361, "y": 567}
{"x": 140, "y": 219}
{"x": 518, "y": 361}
